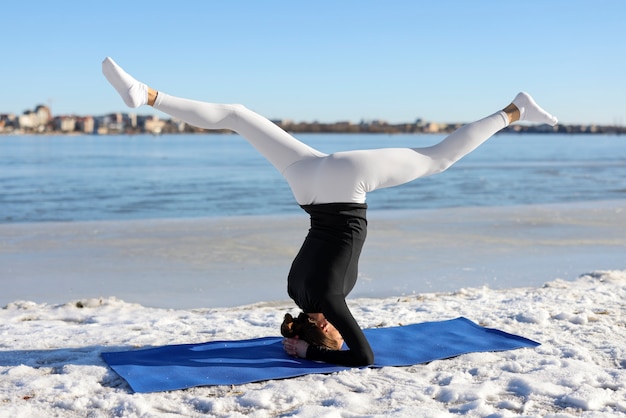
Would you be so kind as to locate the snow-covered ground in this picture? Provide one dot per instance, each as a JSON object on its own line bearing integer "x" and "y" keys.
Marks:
{"x": 50, "y": 364}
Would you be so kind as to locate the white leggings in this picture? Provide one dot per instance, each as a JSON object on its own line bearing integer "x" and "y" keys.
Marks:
{"x": 341, "y": 177}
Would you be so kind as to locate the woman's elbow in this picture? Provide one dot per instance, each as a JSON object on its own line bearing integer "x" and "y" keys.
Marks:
{"x": 365, "y": 359}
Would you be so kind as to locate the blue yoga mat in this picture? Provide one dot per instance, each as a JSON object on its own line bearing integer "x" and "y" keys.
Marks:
{"x": 237, "y": 362}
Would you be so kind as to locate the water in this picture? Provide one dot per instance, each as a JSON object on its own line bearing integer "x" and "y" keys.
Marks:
{"x": 72, "y": 178}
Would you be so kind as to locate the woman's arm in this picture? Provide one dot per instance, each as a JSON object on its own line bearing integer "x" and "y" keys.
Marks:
{"x": 359, "y": 352}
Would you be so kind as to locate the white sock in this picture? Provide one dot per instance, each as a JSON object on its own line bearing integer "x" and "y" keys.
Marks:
{"x": 530, "y": 111}
{"x": 133, "y": 92}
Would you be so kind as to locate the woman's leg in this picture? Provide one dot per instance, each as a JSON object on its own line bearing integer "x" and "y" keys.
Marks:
{"x": 469, "y": 137}
{"x": 348, "y": 176}
{"x": 280, "y": 148}
{"x": 276, "y": 145}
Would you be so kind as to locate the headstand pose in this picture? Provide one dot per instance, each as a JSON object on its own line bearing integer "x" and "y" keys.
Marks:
{"x": 331, "y": 188}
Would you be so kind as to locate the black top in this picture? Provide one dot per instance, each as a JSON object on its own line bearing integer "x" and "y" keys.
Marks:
{"x": 325, "y": 271}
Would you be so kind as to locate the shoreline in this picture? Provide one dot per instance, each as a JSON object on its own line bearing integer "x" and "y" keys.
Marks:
{"x": 234, "y": 261}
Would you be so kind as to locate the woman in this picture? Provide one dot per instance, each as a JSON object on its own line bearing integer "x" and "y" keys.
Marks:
{"x": 332, "y": 189}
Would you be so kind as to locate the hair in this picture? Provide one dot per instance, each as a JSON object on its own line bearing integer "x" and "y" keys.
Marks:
{"x": 306, "y": 329}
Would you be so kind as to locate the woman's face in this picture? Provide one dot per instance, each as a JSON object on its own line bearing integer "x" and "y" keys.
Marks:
{"x": 328, "y": 329}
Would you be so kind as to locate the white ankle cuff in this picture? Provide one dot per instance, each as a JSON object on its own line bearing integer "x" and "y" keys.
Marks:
{"x": 505, "y": 117}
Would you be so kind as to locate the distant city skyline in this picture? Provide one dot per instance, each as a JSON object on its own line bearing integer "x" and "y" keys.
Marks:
{"x": 325, "y": 61}
{"x": 42, "y": 121}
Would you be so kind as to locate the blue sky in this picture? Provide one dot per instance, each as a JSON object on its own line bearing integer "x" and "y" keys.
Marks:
{"x": 447, "y": 61}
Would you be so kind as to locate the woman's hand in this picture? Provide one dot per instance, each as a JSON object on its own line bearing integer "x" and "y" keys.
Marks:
{"x": 295, "y": 347}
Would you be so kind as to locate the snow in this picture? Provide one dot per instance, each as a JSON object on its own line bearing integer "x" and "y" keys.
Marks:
{"x": 551, "y": 273}
{"x": 50, "y": 362}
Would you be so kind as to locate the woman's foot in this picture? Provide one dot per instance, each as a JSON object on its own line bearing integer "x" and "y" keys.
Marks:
{"x": 525, "y": 108}
{"x": 133, "y": 92}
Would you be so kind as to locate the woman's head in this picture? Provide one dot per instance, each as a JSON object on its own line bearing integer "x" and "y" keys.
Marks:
{"x": 312, "y": 328}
